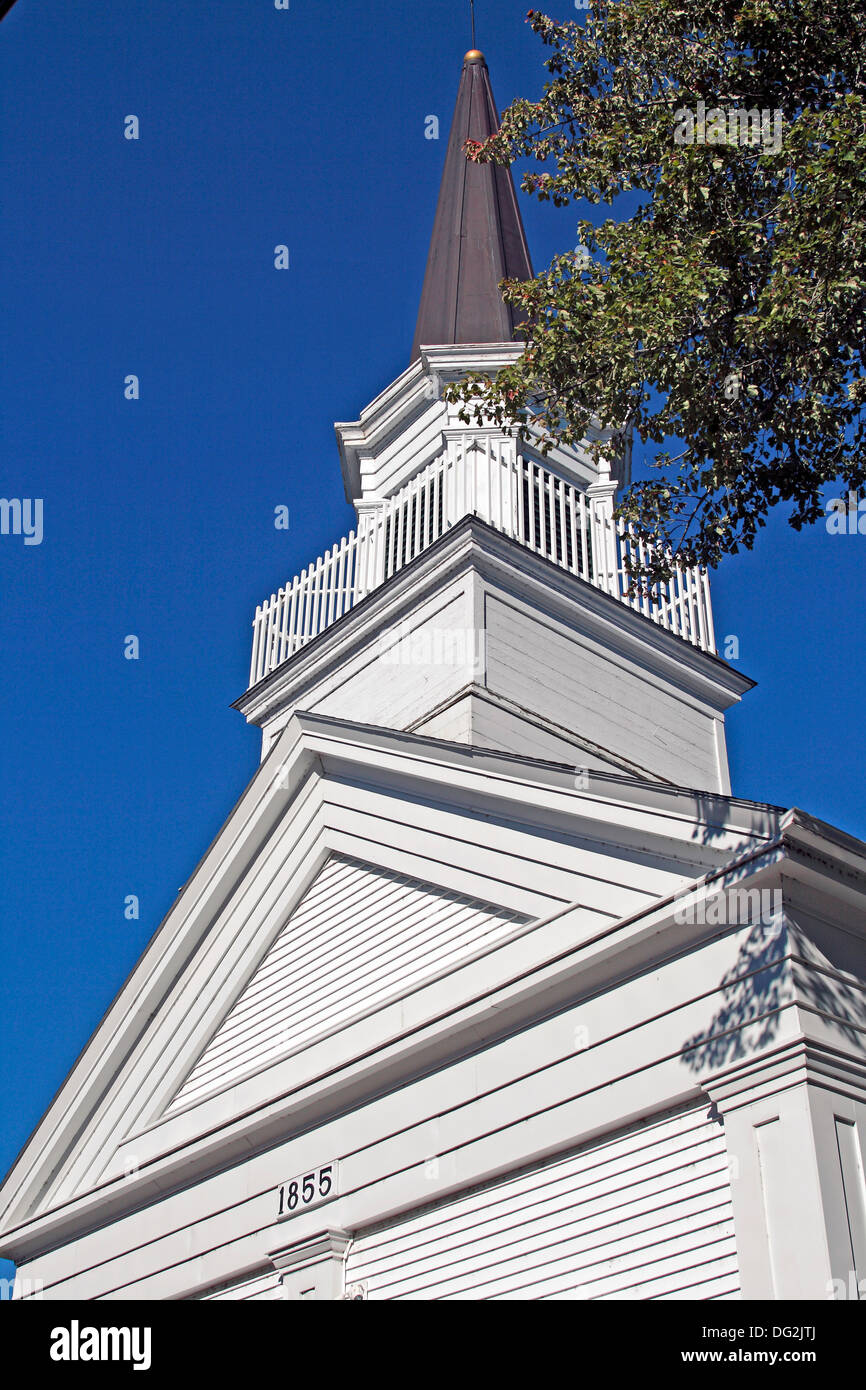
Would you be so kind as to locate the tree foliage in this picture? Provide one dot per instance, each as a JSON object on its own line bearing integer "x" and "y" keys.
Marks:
{"x": 723, "y": 320}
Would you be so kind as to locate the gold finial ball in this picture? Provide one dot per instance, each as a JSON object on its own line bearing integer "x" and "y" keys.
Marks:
{"x": 474, "y": 56}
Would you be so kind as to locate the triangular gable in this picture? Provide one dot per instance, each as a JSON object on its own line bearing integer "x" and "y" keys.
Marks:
{"x": 459, "y": 827}
{"x": 359, "y": 936}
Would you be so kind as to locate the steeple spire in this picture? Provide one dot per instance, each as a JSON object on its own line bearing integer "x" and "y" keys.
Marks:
{"x": 478, "y": 237}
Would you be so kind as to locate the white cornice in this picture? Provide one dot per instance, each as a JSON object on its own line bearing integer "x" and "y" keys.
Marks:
{"x": 396, "y": 408}
{"x": 794, "y": 1062}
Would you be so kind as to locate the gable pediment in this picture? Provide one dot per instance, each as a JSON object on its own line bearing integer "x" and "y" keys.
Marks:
{"x": 359, "y": 936}
{"x": 367, "y": 884}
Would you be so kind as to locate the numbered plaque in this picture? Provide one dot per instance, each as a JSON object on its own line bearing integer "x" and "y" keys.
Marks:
{"x": 308, "y": 1190}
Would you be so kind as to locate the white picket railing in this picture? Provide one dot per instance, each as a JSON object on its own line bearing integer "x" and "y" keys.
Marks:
{"x": 484, "y": 477}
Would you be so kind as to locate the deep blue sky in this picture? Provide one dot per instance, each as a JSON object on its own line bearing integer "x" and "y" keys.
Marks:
{"x": 155, "y": 257}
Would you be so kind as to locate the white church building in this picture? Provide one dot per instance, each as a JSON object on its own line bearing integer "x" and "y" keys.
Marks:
{"x": 489, "y": 987}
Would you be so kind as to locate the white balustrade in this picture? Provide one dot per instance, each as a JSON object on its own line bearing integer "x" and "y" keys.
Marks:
{"x": 485, "y": 477}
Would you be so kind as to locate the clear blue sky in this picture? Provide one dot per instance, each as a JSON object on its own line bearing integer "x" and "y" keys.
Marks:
{"x": 155, "y": 257}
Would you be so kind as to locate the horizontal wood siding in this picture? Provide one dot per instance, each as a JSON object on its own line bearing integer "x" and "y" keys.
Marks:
{"x": 545, "y": 669}
{"x": 644, "y": 1215}
{"x": 359, "y": 936}
{"x": 495, "y": 727}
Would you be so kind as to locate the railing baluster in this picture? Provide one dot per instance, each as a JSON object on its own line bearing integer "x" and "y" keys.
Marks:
{"x": 341, "y": 578}
{"x": 530, "y": 503}
{"x": 303, "y": 607}
{"x": 330, "y": 586}
{"x": 521, "y": 510}
{"x": 487, "y": 509}
{"x": 255, "y": 673}
{"x": 681, "y": 604}
{"x": 312, "y": 599}
{"x": 269, "y": 637}
{"x": 563, "y": 543}
{"x": 376, "y": 530}
{"x": 664, "y": 602}
{"x": 644, "y": 594}
{"x": 319, "y": 591}
{"x": 390, "y": 518}
{"x": 435, "y": 493}
{"x": 284, "y": 625}
{"x": 531, "y": 493}
{"x": 499, "y": 466}
{"x": 293, "y": 612}
{"x": 572, "y": 531}
{"x": 425, "y": 502}
{"x": 693, "y": 606}
{"x": 550, "y": 518}
{"x": 401, "y": 516}
{"x": 706, "y": 608}
{"x": 420, "y": 514}
{"x": 354, "y": 575}
{"x": 418, "y": 528}
{"x": 634, "y": 553}
{"x": 584, "y": 539}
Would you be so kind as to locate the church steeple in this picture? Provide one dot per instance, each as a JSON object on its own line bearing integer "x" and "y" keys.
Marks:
{"x": 478, "y": 237}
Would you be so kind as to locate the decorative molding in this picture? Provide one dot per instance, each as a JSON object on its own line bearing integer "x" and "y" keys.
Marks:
{"x": 327, "y": 1244}
{"x": 313, "y": 1266}
{"x": 796, "y": 1062}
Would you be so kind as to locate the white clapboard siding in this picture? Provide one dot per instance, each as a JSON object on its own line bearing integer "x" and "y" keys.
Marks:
{"x": 262, "y": 1287}
{"x": 359, "y": 936}
{"x": 645, "y": 1214}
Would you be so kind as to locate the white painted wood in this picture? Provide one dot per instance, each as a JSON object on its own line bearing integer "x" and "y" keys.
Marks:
{"x": 195, "y": 1238}
{"x": 410, "y": 666}
{"x": 607, "y": 867}
{"x": 643, "y": 1214}
{"x": 477, "y": 1066}
{"x": 473, "y": 1103}
{"x": 358, "y": 937}
{"x": 540, "y": 666}
{"x": 402, "y": 429}
{"x": 495, "y": 722}
{"x": 263, "y": 1287}
{"x": 571, "y": 661}
{"x": 479, "y": 469}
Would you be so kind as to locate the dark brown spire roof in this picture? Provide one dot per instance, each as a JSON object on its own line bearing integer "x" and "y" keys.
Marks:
{"x": 478, "y": 237}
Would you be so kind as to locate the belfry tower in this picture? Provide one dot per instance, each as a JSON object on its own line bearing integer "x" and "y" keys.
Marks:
{"x": 488, "y": 987}
{"x": 483, "y": 596}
